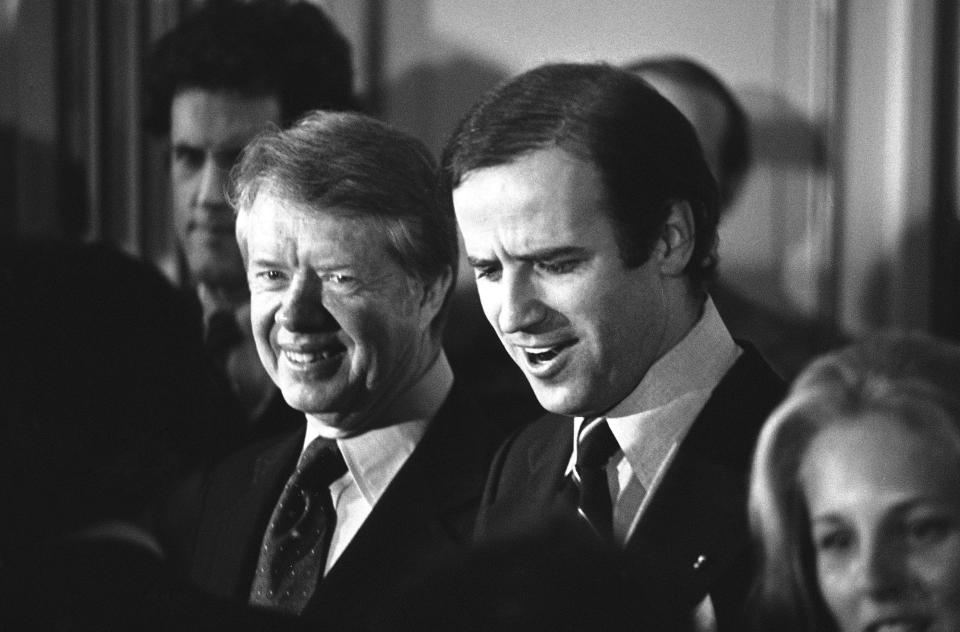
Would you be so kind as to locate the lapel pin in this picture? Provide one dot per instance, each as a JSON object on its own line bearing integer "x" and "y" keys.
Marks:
{"x": 701, "y": 560}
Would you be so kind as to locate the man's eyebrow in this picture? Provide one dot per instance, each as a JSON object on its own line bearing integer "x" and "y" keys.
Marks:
{"x": 477, "y": 262}
{"x": 549, "y": 254}
{"x": 266, "y": 262}
{"x": 541, "y": 254}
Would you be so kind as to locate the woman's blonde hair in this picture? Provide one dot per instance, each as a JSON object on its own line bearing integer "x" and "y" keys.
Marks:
{"x": 911, "y": 376}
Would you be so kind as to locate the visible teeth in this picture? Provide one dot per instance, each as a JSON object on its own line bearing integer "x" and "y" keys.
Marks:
{"x": 306, "y": 358}
{"x": 542, "y": 355}
{"x": 537, "y": 350}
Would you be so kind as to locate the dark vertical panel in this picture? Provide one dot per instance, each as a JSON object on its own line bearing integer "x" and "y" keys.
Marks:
{"x": 133, "y": 152}
{"x": 36, "y": 162}
{"x": 73, "y": 198}
{"x": 94, "y": 116}
{"x": 945, "y": 285}
{"x": 8, "y": 120}
{"x": 115, "y": 21}
{"x": 835, "y": 134}
{"x": 158, "y": 245}
{"x": 74, "y": 161}
{"x": 374, "y": 40}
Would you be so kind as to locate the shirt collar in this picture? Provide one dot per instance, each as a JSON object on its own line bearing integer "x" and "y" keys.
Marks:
{"x": 374, "y": 457}
{"x": 646, "y": 422}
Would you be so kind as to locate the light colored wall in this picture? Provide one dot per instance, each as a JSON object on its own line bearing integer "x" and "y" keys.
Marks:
{"x": 776, "y": 54}
{"x": 884, "y": 249}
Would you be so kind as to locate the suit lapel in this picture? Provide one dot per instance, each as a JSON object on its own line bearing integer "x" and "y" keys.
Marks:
{"x": 547, "y": 460}
{"x": 696, "y": 524}
{"x": 240, "y": 498}
{"x": 691, "y": 531}
{"x": 427, "y": 509}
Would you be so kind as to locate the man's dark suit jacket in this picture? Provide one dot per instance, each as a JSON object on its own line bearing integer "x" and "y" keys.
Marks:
{"x": 692, "y": 539}
{"x": 427, "y": 511}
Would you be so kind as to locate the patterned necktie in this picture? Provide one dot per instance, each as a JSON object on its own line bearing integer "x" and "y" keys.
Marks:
{"x": 595, "y": 445}
{"x": 294, "y": 550}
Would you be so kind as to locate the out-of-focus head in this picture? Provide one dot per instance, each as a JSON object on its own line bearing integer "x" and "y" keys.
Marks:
{"x": 350, "y": 260}
{"x": 709, "y": 104}
{"x": 107, "y": 395}
{"x": 589, "y": 216}
{"x": 221, "y": 76}
{"x": 855, "y": 497}
{"x": 288, "y": 50}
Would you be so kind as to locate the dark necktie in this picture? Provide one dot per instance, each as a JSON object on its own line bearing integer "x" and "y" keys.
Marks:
{"x": 294, "y": 549}
{"x": 596, "y": 444}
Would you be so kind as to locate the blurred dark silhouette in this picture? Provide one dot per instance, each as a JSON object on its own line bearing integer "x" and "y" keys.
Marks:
{"x": 108, "y": 399}
{"x": 555, "y": 579}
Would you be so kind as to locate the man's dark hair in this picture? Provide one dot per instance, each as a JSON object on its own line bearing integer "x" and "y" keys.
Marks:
{"x": 646, "y": 152}
{"x": 351, "y": 162}
{"x": 735, "y": 154}
{"x": 266, "y": 47}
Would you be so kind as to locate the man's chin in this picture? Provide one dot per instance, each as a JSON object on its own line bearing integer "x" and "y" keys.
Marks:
{"x": 558, "y": 399}
{"x": 313, "y": 405}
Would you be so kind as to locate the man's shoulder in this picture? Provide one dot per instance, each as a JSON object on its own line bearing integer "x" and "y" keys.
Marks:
{"x": 524, "y": 490}
{"x": 273, "y": 446}
{"x": 730, "y": 421}
{"x": 536, "y": 450}
{"x": 752, "y": 365}
{"x": 457, "y": 446}
{"x": 224, "y": 478}
{"x": 751, "y": 386}
{"x": 551, "y": 431}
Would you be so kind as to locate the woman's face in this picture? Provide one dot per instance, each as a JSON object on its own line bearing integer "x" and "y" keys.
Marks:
{"x": 884, "y": 505}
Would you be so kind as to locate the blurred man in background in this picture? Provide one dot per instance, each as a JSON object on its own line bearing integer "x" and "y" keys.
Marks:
{"x": 787, "y": 341}
{"x": 224, "y": 74}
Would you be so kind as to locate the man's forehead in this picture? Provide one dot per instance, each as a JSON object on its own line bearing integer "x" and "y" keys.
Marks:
{"x": 545, "y": 200}
{"x": 220, "y": 117}
{"x": 544, "y": 177}
{"x": 272, "y": 205}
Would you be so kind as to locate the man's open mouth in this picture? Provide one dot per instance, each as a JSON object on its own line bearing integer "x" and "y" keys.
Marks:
{"x": 540, "y": 355}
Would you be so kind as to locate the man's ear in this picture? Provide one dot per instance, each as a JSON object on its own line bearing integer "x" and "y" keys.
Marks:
{"x": 434, "y": 293}
{"x": 677, "y": 239}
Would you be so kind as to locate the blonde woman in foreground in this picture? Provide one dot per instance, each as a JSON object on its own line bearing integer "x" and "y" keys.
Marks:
{"x": 855, "y": 496}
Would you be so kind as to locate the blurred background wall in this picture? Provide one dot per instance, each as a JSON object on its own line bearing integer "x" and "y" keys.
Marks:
{"x": 849, "y": 218}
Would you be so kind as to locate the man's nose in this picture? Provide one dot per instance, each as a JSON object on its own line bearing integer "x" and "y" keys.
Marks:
{"x": 213, "y": 179}
{"x": 520, "y": 306}
{"x": 302, "y": 307}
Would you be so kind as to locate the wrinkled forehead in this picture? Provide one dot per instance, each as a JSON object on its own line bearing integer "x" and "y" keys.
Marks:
{"x": 272, "y": 219}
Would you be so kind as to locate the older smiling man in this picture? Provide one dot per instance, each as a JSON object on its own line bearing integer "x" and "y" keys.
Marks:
{"x": 351, "y": 261}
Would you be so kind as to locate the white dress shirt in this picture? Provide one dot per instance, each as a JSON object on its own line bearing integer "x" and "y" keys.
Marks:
{"x": 374, "y": 457}
{"x": 651, "y": 421}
